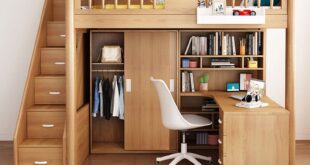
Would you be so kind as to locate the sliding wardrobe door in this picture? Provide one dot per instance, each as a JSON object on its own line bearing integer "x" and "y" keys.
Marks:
{"x": 148, "y": 53}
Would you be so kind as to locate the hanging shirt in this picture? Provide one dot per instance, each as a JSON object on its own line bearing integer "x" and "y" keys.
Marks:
{"x": 121, "y": 98}
{"x": 101, "y": 98}
{"x": 106, "y": 99}
{"x": 96, "y": 97}
{"x": 115, "y": 98}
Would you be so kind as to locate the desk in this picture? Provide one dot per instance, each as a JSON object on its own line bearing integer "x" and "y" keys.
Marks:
{"x": 258, "y": 136}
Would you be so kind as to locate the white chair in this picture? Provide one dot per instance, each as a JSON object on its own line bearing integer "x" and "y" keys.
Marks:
{"x": 174, "y": 120}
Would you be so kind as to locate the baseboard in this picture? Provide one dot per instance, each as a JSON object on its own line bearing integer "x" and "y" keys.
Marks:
{"x": 302, "y": 136}
{"x": 6, "y": 137}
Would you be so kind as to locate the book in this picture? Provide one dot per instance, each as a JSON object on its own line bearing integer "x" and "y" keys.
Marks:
{"x": 229, "y": 46}
{"x": 245, "y": 81}
{"x": 220, "y": 60}
{"x": 188, "y": 45}
{"x": 233, "y": 45}
{"x": 220, "y": 43}
{"x": 255, "y": 43}
{"x": 203, "y": 45}
{"x": 224, "y": 46}
{"x": 259, "y": 43}
{"x": 210, "y": 44}
{"x": 192, "y": 81}
{"x": 216, "y": 43}
{"x": 183, "y": 82}
{"x": 195, "y": 45}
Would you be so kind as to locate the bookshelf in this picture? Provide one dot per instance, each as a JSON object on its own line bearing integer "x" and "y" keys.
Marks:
{"x": 190, "y": 102}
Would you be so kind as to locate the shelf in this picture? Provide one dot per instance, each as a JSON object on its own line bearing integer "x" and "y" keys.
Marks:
{"x": 196, "y": 110}
{"x": 218, "y": 69}
{"x": 203, "y": 130}
{"x": 221, "y": 56}
{"x": 202, "y": 147}
{"x": 107, "y": 70}
{"x": 108, "y": 63}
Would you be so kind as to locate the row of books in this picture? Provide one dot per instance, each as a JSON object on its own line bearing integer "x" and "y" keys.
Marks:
{"x": 222, "y": 63}
{"x": 218, "y": 43}
{"x": 209, "y": 105}
{"x": 201, "y": 138}
{"x": 188, "y": 84}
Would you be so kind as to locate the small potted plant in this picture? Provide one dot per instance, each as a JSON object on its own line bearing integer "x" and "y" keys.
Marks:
{"x": 204, "y": 82}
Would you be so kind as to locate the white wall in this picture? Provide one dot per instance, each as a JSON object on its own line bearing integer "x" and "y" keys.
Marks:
{"x": 302, "y": 69}
{"x": 19, "y": 23}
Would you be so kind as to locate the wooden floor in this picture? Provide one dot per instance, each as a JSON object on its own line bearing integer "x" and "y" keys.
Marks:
{"x": 6, "y": 156}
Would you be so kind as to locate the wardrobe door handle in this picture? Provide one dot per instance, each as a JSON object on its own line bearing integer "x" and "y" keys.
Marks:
{"x": 128, "y": 85}
{"x": 219, "y": 161}
{"x": 171, "y": 86}
{"x": 40, "y": 162}
{"x": 54, "y": 93}
{"x": 219, "y": 121}
{"x": 59, "y": 63}
{"x": 62, "y": 36}
{"x": 48, "y": 125}
{"x": 219, "y": 141}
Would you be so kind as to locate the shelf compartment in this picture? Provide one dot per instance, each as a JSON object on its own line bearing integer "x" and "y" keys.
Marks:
{"x": 221, "y": 56}
{"x": 220, "y": 69}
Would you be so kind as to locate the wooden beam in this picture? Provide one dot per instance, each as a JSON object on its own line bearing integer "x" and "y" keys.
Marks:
{"x": 70, "y": 84}
{"x": 290, "y": 83}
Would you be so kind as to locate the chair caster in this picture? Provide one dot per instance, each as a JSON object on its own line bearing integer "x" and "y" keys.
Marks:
{"x": 157, "y": 163}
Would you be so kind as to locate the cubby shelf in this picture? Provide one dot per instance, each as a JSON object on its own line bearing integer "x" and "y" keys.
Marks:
{"x": 221, "y": 56}
{"x": 219, "y": 69}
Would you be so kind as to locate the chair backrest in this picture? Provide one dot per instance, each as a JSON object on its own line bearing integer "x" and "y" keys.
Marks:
{"x": 170, "y": 114}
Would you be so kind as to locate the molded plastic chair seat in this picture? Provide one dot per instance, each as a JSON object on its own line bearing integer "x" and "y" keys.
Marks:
{"x": 196, "y": 121}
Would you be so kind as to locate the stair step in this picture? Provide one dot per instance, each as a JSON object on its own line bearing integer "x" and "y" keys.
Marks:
{"x": 41, "y": 143}
{"x": 53, "y": 61}
{"x": 50, "y": 89}
{"x": 56, "y": 34}
{"x": 47, "y": 108}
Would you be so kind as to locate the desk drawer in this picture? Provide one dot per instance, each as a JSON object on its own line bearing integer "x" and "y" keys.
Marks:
{"x": 53, "y": 61}
{"x": 56, "y": 32}
{"x": 45, "y": 124}
{"x": 42, "y": 156}
{"x": 50, "y": 90}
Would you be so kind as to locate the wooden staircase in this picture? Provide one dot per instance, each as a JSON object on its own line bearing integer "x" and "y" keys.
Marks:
{"x": 40, "y": 132}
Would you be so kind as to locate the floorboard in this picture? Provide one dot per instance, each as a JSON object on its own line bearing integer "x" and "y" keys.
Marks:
{"x": 6, "y": 156}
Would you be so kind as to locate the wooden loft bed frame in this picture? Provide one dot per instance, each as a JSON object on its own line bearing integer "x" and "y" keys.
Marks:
{"x": 178, "y": 14}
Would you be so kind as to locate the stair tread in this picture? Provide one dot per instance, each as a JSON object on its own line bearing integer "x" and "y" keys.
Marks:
{"x": 56, "y": 22}
{"x": 47, "y": 108}
{"x": 50, "y": 76}
{"x": 53, "y": 48}
{"x": 41, "y": 143}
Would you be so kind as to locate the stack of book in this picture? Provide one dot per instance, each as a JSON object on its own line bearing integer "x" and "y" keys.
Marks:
{"x": 209, "y": 105}
{"x": 222, "y": 63}
{"x": 218, "y": 43}
{"x": 201, "y": 138}
{"x": 188, "y": 84}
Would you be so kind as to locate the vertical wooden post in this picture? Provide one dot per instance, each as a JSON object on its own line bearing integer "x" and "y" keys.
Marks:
{"x": 141, "y": 4}
{"x": 271, "y": 4}
{"x": 115, "y": 3}
{"x": 233, "y": 3}
{"x": 154, "y": 4}
{"x": 70, "y": 84}
{"x": 128, "y": 3}
{"x": 246, "y": 3}
{"x": 103, "y": 4}
{"x": 258, "y": 3}
{"x": 90, "y": 4}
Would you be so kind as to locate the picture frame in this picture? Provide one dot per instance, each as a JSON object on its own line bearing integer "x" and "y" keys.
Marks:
{"x": 219, "y": 7}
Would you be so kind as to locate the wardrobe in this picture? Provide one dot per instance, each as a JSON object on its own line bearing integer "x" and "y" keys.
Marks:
{"x": 144, "y": 54}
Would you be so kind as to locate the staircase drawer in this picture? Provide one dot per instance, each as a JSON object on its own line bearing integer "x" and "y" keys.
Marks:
{"x": 50, "y": 90}
{"x": 53, "y": 61}
{"x": 33, "y": 156}
{"x": 56, "y": 32}
{"x": 45, "y": 124}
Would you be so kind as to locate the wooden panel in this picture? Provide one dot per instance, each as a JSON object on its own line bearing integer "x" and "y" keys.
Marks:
{"x": 55, "y": 34}
{"x": 58, "y": 10}
{"x": 147, "y": 54}
{"x": 80, "y": 68}
{"x": 28, "y": 156}
{"x": 50, "y": 90}
{"x": 163, "y": 22}
{"x": 82, "y": 130}
{"x": 53, "y": 61}
{"x": 265, "y": 141}
{"x": 37, "y": 124}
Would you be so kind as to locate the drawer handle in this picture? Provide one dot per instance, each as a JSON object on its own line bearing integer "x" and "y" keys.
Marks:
{"x": 219, "y": 141}
{"x": 59, "y": 63}
{"x": 219, "y": 121}
{"x": 40, "y": 162}
{"x": 54, "y": 93}
{"x": 48, "y": 125}
{"x": 62, "y": 36}
{"x": 219, "y": 161}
